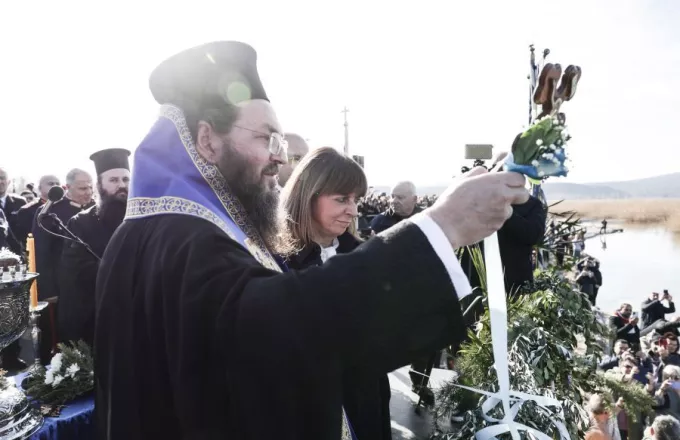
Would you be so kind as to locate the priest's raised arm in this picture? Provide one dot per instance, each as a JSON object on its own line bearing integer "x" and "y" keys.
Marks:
{"x": 199, "y": 329}
{"x": 200, "y": 333}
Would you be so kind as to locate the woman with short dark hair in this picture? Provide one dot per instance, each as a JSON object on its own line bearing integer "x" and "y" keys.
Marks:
{"x": 319, "y": 210}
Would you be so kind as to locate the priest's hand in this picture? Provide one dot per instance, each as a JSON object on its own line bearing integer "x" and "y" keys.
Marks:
{"x": 477, "y": 204}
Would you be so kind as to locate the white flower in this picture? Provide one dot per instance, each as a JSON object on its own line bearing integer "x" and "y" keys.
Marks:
{"x": 72, "y": 370}
{"x": 539, "y": 142}
{"x": 541, "y": 174}
{"x": 55, "y": 364}
{"x": 49, "y": 377}
{"x": 534, "y": 162}
{"x": 57, "y": 380}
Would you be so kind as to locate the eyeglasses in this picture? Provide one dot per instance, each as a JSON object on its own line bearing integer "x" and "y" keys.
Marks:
{"x": 277, "y": 145}
{"x": 294, "y": 158}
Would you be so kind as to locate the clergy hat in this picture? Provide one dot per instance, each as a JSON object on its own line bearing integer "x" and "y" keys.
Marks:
{"x": 220, "y": 71}
{"x": 110, "y": 159}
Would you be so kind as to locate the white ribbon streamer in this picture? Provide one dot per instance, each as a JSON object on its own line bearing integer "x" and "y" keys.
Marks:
{"x": 511, "y": 400}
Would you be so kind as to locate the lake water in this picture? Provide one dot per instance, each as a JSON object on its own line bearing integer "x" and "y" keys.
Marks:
{"x": 634, "y": 264}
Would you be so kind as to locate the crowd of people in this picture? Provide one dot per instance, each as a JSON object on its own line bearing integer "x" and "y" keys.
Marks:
{"x": 241, "y": 246}
{"x": 645, "y": 351}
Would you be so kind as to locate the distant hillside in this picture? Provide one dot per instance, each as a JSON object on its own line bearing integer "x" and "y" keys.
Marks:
{"x": 571, "y": 191}
{"x": 665, "y": 186}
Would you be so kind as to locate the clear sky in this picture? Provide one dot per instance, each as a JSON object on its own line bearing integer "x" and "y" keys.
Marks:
{"x": 421, "y": 79}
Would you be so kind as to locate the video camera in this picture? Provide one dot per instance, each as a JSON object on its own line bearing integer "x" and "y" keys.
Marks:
{"x": 479, "y": 153}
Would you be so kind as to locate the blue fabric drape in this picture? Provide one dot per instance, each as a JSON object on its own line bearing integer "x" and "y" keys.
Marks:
{"x": 75, "y": 422}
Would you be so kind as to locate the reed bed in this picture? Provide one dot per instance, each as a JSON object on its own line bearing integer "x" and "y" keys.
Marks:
{"x": 642, "y": 212}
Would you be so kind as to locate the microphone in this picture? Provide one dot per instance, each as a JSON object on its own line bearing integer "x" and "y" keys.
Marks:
{"x": 55, "y": 194}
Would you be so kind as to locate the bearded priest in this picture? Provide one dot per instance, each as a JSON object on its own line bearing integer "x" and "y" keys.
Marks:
{"x": 201, "y": 333}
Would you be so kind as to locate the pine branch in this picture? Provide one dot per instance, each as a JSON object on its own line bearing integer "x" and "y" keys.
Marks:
{"x": 545, "y": 355}
{"x": 71, "y": 375}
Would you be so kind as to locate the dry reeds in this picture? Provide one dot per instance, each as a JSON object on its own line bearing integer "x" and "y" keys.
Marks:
{"x": 661, "y": 212}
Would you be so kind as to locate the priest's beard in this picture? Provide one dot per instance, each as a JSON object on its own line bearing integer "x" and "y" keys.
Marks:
{"x": 258, "y": 197}
{"x": 112, "y": 207}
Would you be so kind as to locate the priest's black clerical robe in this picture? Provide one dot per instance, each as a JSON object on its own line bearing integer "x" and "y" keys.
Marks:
{"x": 48, "y": 247}
{"x": 48, "y": 250}
{"x": 195, "y": 339}
{"x": 78, "y": 275}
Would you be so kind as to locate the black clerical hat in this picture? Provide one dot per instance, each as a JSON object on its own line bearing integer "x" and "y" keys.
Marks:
{"x": 110, "y": 159}
{"x": 225, "y": 70}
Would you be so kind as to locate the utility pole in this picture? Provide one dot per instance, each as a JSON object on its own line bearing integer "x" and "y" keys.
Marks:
{"x": 346, "y": 148}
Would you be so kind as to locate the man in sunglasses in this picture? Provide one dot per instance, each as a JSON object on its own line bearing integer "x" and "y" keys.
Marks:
{"x": 297, "y": 149}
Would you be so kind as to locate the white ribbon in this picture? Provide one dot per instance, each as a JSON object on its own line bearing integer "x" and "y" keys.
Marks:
{"x": 511, "y": 400}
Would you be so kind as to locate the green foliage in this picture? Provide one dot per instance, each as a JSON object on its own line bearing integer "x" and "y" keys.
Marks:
{"x": 536, "y": 139}
{"x": 71, "y": 375}
{"x": 636, "y": 400}
{"x": 555, "y": 342}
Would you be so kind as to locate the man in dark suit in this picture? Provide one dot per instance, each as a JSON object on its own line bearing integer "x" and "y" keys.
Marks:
{"x": 10, "y": 203}
{"x": 23, "y": 218}
{"x": 48, "y": 250}
{"x": 517, "y": 238}
{"x": 4, "y": 227}
{"x": 654, "y": 310}
{"x": 516, "y": 241}
{"x": 403, "y": 205}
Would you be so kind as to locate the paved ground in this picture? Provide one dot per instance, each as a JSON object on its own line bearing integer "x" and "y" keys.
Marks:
{"x": 406, "y": 424}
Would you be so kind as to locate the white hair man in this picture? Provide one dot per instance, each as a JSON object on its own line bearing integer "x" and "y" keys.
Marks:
{"x": 48, "y": 247}
{"x": 664, "y": 428}
{"x": 403, "y": 204}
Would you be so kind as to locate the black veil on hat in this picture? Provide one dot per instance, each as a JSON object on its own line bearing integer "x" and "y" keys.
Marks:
{"x": 223, "y": 71}
{"x": 110, "y": 159}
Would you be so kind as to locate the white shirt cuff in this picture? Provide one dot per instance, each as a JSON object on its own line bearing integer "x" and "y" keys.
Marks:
{"x": 445, "y": 252}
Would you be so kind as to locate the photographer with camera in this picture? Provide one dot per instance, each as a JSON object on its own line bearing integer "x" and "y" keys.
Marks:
{"x": 653, "y": 310}
{"x": 667, "y": 352}
{"x": 621, "y": 347}
{"x": 625, "y": 323}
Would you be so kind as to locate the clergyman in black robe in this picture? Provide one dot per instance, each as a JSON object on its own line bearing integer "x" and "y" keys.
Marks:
{"x": 94, "y": 226}
{"x": 199, "y": 333}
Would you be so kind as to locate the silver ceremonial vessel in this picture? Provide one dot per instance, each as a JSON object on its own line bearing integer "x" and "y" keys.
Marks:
{"x": 18, "y": 419}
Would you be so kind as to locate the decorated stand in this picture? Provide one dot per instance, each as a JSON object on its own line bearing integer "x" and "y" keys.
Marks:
{"x": 532, "y": 358}
{"x": 18, "y": 419}
{"x": 538, "y": 153}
